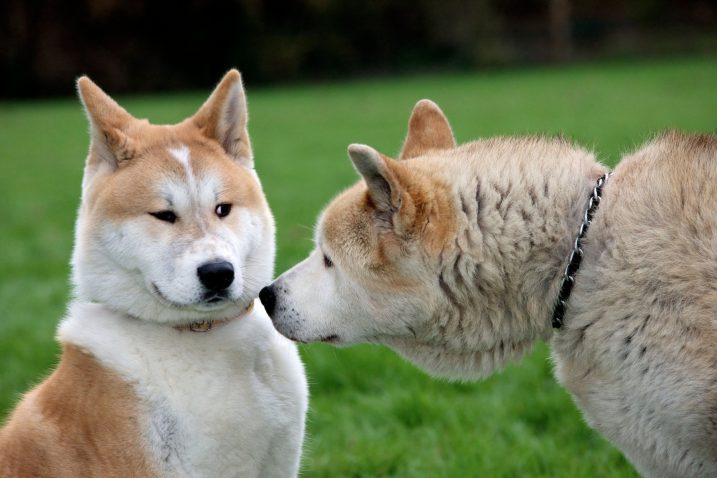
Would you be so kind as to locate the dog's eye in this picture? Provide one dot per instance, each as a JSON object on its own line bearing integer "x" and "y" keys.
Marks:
{"x": 328, "y": 262}
{"x": 166, "y": 216}
{"x": 223, "y": 209}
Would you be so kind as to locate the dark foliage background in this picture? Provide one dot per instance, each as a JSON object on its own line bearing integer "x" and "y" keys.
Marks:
{"x": 148, "y": 45}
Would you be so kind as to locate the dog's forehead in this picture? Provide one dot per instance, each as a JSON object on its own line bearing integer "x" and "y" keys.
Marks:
{"x": 341, "y": 212}
{"x": 344, "y": 227}
{"x": 189, "y": 164}
{"x": 152, "y": 139}
{"x": 186, "y": 179}
{"x": 176, "y": 150}
{"x": 174, "y": 171}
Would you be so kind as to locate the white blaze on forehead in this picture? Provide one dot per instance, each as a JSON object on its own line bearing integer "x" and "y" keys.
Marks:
{"x": 181, "y": 154}
{"x": 193, "y": 192}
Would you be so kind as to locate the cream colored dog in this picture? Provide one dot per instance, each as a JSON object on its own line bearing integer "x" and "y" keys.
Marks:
{"x": 168, "y": 369}
{"x": 454, "y": 255}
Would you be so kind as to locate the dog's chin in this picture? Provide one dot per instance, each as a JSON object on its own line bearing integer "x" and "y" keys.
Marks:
{"x": 332, "y": 339}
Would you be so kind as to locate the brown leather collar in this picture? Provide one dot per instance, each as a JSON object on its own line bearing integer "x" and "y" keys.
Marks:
{"x": 207, "y": 325}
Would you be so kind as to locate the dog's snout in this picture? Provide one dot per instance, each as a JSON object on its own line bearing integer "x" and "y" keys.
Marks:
{"x": 216, "y": 276}
{"x": 268, "y": 298}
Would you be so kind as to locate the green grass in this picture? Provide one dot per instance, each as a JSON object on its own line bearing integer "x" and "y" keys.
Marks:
{"x": 372, "y": 414}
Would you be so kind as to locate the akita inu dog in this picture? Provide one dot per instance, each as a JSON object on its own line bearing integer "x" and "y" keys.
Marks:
{"x": 167, "y": 369}
{"x": 455, "y": 257}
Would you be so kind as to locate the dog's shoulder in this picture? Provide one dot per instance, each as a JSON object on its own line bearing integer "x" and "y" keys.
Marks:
{"x": 679, "y": 146}
{"x": 81, "y": 406}
{"x": 672, "y": 158}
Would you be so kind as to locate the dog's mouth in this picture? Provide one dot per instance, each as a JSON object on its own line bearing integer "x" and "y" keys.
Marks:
{"x": 214, "y": 297}
{"x": 210, "y": 300}
{"x": 329, "y": 339}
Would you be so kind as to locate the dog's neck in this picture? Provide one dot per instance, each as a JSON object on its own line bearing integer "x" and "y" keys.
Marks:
{"x": 517, "y": 219}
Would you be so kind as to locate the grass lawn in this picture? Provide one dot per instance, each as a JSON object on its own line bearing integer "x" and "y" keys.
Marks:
{"x": 372, "y": 414}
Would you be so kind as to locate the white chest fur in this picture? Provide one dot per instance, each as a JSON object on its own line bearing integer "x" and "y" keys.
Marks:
{"x": 224, "y": 403}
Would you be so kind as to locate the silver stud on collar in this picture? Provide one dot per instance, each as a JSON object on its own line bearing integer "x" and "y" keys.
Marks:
{"x": 201, "y": 326}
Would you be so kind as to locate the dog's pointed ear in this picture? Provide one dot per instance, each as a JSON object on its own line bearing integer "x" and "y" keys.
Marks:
{"x": 383, "y": 188}
{"x": 108, "y": 124}
{"x": 224, "y": 117}
{"x": 428, "y": 129}
{"x": 395, "y": 208}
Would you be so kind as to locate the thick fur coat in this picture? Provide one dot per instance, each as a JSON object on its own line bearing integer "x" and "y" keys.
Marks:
{"x": 453, "y": 256}
{"x": 168, "y": 369}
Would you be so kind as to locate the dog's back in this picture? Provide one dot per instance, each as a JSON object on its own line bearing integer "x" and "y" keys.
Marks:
{"x": 643, "y": 324}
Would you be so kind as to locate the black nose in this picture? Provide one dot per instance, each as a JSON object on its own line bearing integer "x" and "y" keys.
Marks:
{"x": 216, "y": 276}
{"x": 268, "y": 298}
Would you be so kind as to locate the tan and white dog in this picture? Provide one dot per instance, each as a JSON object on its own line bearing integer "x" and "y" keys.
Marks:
{"x": 168, "y": 368}
{"x": 454, "y": 255}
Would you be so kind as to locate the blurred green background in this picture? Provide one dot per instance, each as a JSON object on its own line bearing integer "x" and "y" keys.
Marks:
{"x": 372, "y": 414}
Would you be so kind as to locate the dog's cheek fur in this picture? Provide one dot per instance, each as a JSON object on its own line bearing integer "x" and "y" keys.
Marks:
{"x": 354, "y": 303}
{"x": 255, "y": 250}
{"x": 314, "y": 302}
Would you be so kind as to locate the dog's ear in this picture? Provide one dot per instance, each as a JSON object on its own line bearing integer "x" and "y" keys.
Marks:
{"x": 395, "y": 208}
{"x": 223, "y": 118}
{"x": 108, "y": 124}
{"x": 383, "y": 188}
{"x": 428, "y": 129}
